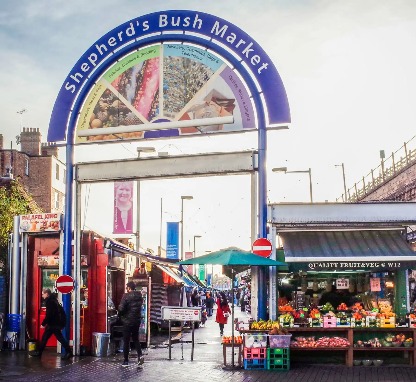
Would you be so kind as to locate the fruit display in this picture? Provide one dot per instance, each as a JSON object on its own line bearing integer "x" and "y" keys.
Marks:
{"x": 265, "y": 325}
{"x": 229, "y": 339}
{"x": 328, "y": 307}
{"x": 342, "y": 306}
{"x": 390, "y": 340}
{"x": 323, "y": 342}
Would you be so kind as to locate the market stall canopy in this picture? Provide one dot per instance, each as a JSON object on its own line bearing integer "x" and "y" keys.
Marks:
{"x": 232, "y": 256}
{"x": 180, "y": 277}
{"x": 385, "y": 246}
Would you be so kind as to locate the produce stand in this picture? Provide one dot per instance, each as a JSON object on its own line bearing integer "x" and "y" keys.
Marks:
{"x": 352, "y": 334}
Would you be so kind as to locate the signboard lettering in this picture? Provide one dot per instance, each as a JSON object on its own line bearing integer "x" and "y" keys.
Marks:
{"x": 175, "y": 313}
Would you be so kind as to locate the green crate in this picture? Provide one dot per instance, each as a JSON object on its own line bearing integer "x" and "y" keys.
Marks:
{"x": 278, "y": 353}
{"x": 283, "y": 367}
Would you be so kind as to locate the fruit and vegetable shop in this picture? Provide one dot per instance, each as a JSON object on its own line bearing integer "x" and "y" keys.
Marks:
{"x": 348, "y": 293}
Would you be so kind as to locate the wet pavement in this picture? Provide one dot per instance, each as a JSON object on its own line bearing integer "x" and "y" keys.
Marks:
{"x": 207, "y": 364}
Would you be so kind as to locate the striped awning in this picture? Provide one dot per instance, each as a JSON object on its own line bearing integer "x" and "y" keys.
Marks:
{"x": 359, "y": 245}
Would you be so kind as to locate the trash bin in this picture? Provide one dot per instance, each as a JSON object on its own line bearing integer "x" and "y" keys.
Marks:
{"x": 100, "y": 343}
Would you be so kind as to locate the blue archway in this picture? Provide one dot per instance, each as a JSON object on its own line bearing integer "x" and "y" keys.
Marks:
{"x": 207, "y": 31}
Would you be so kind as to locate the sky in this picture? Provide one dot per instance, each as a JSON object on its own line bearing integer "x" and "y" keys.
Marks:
{"x": 347, "y": 67}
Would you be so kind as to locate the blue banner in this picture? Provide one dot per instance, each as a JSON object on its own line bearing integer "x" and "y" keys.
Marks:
{"x": 172, "y": 240}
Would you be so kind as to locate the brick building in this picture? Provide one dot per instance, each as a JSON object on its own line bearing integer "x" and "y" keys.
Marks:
{"x": 37, "y": 168}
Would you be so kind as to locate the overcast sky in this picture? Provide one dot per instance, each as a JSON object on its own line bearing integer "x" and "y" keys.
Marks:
{"x": 348, "y": 68}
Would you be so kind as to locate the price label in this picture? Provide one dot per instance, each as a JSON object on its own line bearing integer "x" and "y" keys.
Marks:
{"x": 342, "y": 283}
{"x": 375, "y": 284}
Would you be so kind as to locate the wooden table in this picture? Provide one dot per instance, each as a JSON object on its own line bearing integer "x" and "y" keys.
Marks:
{"x": 240, "y": 352}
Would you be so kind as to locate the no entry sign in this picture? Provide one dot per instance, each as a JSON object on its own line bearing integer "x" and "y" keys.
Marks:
{"x": 64, "y": 284}
{"x": 262, "y": 247}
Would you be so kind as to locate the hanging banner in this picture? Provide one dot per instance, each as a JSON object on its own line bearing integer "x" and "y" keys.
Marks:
{"x": 202, "y": 272}
{"x": 172, "y": 240}
{"x": 123, "y": 207}
{"x": 375, "y": 284}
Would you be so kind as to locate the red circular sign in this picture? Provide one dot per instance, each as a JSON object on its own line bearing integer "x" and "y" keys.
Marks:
{"x": 64, "y": 284}
{"x": 262, "y": 247}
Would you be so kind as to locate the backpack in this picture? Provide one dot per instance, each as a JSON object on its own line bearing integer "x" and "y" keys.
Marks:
{"x": 61, "y": 315}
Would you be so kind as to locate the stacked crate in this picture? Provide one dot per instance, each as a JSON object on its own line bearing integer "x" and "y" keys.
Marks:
{"x": 278, "y": 359}
{"x": 255, "y": 351}
{"x": 278, "y": 353}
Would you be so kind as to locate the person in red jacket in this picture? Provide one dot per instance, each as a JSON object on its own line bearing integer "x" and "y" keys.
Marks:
{"x": 223, "y": 311}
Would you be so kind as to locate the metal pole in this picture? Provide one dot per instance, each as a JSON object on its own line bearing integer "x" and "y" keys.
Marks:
{"x": 160, "y": 228}
{"x": 310, "y": 184}
{"x": 343, "y": 177}
{"x": 138, "y": 214}
{"x": 182, "y": 257}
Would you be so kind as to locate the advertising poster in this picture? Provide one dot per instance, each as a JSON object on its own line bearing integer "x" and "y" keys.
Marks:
{"x": 168, "y": 82}
{"x": 123, "y": 207}
{"x": 172, "y": 240}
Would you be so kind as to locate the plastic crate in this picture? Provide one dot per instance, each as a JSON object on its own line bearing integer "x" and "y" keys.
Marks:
{"x": 279, "y": 340}
{"x": 278, "y": 364}
{"x": 278, "y": 353}
{"x": 255, "y": 353}
{"x": 250, "y": 364}
{"x": 255, "y": 340}
{"x": 13, "y": 322}
{"x": 330, "y": 322}
{"x": 388, "y": 322}
{"x": 344, "y": 322}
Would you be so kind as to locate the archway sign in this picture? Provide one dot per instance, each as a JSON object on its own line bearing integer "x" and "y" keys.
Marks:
{"x": 172, "y": 68}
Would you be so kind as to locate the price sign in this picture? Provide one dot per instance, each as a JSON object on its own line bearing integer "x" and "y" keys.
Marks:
{"x": 375, "y": 284}
{"x": 342, "y": 283}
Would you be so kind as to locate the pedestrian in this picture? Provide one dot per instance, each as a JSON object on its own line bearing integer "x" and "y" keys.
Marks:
{"x": 223, "y": 311}
{"x": 209, "y": 303}
{"x": 53, "y": 323}
{"x": 130, "y": 310}
{"x": 195, "y": 298}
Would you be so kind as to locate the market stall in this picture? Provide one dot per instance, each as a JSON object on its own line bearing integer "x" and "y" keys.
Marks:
{"x": 346, "y": 288}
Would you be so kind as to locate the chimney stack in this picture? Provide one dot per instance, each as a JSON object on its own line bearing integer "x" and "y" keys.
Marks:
{"x": 30, "y": 141}
{"x": 49, "y": 150}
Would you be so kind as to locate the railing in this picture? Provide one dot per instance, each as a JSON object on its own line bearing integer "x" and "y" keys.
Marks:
{"x": 404, "y": 157}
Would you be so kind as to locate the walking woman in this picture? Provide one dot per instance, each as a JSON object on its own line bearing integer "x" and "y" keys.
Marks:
{"x": 223, "y": 311}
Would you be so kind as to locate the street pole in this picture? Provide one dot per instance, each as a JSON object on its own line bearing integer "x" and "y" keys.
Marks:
{"x": 188, "y": 197}
{"x": 343, "y": 177}
{"x": 310, "y": 184}
{"x": 309, "y": 171}
{"x": 194, "y": 266}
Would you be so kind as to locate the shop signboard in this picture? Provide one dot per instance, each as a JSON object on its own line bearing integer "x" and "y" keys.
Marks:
{"x": 175, "y": 313}
{"x": 48, "y": 222}
{"x": 350, "y": 265}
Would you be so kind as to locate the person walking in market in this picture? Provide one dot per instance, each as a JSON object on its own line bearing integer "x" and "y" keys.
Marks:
{"x": 130, "y": 309}
{"x": 223, "y": 311}
{"x": 54, "y": 322}
{"x": 209, "y": 303}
